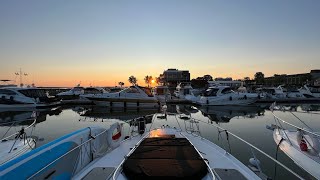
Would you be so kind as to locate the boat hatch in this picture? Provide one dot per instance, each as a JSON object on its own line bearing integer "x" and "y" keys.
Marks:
{"x": 165, "y": 158}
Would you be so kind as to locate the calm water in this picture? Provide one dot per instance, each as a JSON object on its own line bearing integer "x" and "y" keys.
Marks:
{"x": 247, "y": 122}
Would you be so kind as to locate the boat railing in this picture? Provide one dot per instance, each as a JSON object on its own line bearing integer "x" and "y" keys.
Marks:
{"x": 292, "y": 125}
{"x": 17, "y": 133}
{"x": 92, "y": 138}
{"x": 252, "y": 147}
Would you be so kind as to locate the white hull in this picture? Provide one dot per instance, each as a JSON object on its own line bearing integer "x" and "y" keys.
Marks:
{"x": 306, "y": 160}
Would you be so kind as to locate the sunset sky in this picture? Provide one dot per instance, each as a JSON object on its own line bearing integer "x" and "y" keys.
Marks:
{"x": 101, "y": 42}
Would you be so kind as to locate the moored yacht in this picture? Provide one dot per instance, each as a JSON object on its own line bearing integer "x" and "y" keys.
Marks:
{"x": 310, "y": 91}
{"x": 185, "y": 91}
{"x": 223, "y": 95}
{"x": 162, "y": 93}
{"x": 134, "y": 96}
{"x": 17, "y": 98}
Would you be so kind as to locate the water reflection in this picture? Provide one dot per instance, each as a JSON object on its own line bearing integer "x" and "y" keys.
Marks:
{"x": 223, "y": 114}
{"x": 100, "y": 113}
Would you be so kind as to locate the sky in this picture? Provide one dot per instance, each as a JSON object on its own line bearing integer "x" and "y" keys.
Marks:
{"x": 102, "y": 42}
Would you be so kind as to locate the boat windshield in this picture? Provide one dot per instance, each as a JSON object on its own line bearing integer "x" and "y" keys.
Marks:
{"x": 92, "y": 91}
{"x": 226, "y": 91}
{"x": 7, "y": 92}
{"x": 33, "y": 93}
{"x": 211, "y": 92}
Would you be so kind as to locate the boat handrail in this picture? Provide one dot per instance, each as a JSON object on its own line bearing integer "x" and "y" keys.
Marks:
{"x": 305, "y": 130}
{"x": 65, "y": 154}
{"x": 254, "y": 147}
{"x": 130, "y": 152}
{"x": 14, "y": 134}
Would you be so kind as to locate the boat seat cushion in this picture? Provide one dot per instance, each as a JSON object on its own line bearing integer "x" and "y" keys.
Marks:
{"x": 165, "y": 158}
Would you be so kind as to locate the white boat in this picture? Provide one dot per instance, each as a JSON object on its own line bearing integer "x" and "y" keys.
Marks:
{"x": 274, "y": 92}
{"x": 134, "y": 96}
{"x": 162, "y": 93}
{"x": 301, "y": 145}
{"x": 78, "y": 94}
{"x": 12, "y": 98}
{"x": 17, "y": 144}
{"x": 310, "y": 91}
{"x": 185, "y": 91}
{"x": 223, "y": 95}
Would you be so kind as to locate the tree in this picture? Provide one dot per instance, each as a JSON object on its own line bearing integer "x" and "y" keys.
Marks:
{"x": 121, "y": 83}
{"x": 158, "y": 80}
{"x": 133, "y": 80}
{"x": 259, "y": 77}
{"x": 147, "y": 80}
{"x": 246, "y": 78}
{"x": 207, "y": 77}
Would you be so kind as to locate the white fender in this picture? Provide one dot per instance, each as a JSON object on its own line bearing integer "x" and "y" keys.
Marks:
{"x": 114, "y": 139}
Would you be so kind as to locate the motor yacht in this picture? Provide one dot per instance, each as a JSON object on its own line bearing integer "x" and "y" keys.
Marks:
{"x": 185, "y": 91}
{"x": 223, "y": 95}
{"x": 310, "y": 91}
{"x": 12, "y": 98}
{"x": 162, "y": 93}
{"x": 134, "y": 96}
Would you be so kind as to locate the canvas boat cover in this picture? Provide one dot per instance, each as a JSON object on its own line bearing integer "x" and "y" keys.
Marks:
{"x": 165, "y": 158}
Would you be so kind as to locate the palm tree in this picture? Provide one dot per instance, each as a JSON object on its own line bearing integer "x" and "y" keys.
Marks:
{"x": 133, "y": 80}
{"x": 121, "y": 83}
{"x": 147, "y": 80}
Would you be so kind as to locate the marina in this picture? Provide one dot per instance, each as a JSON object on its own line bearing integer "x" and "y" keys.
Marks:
{"x": 159, "y": 90}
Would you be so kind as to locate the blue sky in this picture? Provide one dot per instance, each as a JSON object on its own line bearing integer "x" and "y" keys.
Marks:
{"x": 64, "y": 42}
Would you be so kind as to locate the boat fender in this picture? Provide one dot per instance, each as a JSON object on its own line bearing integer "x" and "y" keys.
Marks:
{"x": 230, "y": 98}
{"x": 114, "y": 139}
{"x": 303, "y": 145}
{"x": 255, "y": 162}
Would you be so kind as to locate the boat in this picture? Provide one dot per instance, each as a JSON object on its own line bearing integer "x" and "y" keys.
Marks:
{"x": 134, "y": 96}
{"x": 78, "y": 94}
{"x": 184, "y": 91}
{"x": 18, "y": 143}
{"x": 302, "y": 145}
{"x": 310, "y": 91}
{"x": 223, "y": 95}
{"x": 12, "y": 98}
{"x": 162, "y": 93}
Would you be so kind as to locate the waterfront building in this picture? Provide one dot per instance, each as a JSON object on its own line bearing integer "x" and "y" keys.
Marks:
{"x": 172, "y": 77}
{"x": 294, "y": 79}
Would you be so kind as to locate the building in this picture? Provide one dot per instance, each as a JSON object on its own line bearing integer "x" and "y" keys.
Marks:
{"x": 172, "y": 77}
{"x": 294, "y": 79}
